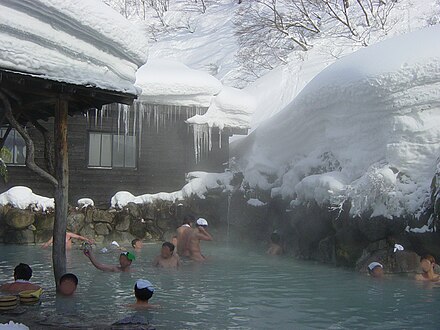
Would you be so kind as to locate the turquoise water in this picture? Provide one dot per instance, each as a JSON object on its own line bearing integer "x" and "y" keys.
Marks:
{"x": 236, "y": 289}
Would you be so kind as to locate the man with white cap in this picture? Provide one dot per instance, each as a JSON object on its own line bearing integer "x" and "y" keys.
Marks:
{"x": 198, "y": 234}
{"x": 375, "y": 269}
{"x": 143, "y": 291}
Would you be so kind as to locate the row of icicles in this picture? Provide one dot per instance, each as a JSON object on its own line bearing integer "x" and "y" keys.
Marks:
{"x": 132, "y": 118}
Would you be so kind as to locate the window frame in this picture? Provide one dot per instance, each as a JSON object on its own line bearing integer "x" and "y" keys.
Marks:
{"x": 14, "y": 134}
{"x": 113, "y": 135}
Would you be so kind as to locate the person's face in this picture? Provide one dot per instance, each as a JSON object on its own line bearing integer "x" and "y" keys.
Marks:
{"x": 426, "y": 265}
{"x": 67, "y": 287}
{"x": 377, "y": 272}
{"x": 124, "y": 262}
{"x": 165, "y": 252}
{"x": 138, "y": 245}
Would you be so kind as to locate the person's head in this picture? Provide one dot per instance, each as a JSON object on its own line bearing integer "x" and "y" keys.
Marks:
{"x": 427, "y": 263}
{"x": 188, "y": 219}
{"x": 375, "y": 269}
{"x": 167, "y": 250}
{"x": 126, "y": 258}
{"x": 136, "y": 244}
{"x": 275, "y": 238}
{"x": 202, "y": 223}
{"x": 22, "y": 272}
{"x": 143, "y": 290}
{"x": 68, "y": 284}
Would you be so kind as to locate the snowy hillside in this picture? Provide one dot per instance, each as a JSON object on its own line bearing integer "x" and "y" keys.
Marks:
{"x": 366, "y": 129}
{"x": 206, "y": 39}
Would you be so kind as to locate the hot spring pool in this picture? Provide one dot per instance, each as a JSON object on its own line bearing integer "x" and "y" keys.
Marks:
{"x": 237, "y": 289}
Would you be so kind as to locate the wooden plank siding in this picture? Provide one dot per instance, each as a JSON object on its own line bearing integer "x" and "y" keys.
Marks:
{"x": 166, "y": 155}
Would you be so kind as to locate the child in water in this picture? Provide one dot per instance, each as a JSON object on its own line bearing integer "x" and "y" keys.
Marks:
{"x": 143, "y": 291}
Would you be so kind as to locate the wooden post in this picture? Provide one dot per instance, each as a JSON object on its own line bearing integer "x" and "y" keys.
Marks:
{"x": 61, "y": 190}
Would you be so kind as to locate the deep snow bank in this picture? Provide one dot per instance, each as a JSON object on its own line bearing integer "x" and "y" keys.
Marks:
{"x": 78, "y": 42}
{"x": 366, "y": 128}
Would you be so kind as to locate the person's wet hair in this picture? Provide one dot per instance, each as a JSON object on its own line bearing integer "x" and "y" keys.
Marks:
{"x": 133, "y": 242}
{"x": 275, "y": 238}
{"x": 169, "y": 245}
{"x": 142, "y": 294}
{"x": 69, "y": 277}
{"x": 23, "y": 272}
{"x": 187, "y": 219}
{"x": 428, "y": 257}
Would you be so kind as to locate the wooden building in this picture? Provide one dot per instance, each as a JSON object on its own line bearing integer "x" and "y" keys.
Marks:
{"x": 141, "y": 149}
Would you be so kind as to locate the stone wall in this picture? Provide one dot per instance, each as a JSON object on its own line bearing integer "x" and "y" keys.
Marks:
{"x": 150, "y": 222}
{"x": 308, "y": 232}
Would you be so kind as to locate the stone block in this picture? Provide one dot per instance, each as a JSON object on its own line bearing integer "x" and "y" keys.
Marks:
{"x": 25, "y": 236}
{"x": 19, "y": 219}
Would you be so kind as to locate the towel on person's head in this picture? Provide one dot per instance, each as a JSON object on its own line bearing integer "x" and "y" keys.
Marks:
{"x": 130, "y": 256}
{"x": 144, "y": 284}
{"x": 202, "y": 222}
{"x": 373, "y": 265}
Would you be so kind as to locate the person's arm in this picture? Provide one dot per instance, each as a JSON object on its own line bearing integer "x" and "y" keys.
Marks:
{"x": 179, "y": 263}
{"x": 49, "y": 242}
{"x": 82, "y": 238}
{"x": 204, "y": 235}
{"x": 103, "y": 267}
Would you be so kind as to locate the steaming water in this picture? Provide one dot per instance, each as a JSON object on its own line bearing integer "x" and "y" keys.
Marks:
{"x": 236, "y": 289}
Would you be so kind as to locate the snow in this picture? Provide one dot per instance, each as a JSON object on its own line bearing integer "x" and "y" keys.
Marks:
{"x": 173, "y": 83}
{"x": 203, "y": 41}
{"x": 78, "y": 42}
{"x": 85, "y": 202}
{"x": 232, "y": 107}
{"x": 11, "y": 325}
{"x": 23, "y": 198}
{"x": 255, "y": 202}
{"x": 199, "y": 184}
{"x": 366, "y": 128}
{"x": 421, "y": 230}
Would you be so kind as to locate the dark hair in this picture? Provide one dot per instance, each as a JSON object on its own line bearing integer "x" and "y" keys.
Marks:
{"x": 428, "y": 257}
{"x": 275, "y": 238}
{"x": 23, "y": 272}
{"x": 69, "y": 277}
{"x": 142, "y": 294}
{"x": 133, "y": 242}
{"x": 187, "y": 219}
{"x": 169, "y": 245}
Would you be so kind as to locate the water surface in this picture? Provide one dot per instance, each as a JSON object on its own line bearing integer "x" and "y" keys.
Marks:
{"x": 237, "y": 288}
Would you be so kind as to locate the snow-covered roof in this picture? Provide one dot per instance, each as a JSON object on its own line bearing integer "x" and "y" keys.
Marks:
{"x": 173, "y": 83}
{"x": 231, "y": 108}
{"x": 366, "y": 128}
{"x": 78, "y": 42}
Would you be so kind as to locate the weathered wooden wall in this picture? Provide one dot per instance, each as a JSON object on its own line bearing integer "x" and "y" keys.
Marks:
{"x": 167, "y": 154}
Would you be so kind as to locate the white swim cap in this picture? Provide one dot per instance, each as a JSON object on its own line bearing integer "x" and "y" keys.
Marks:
{"x": 201, "y": 222}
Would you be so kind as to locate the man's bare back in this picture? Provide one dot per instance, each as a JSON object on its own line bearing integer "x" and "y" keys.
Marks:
{"x": 197, "y": 234}
{"x": 183, "y": 233}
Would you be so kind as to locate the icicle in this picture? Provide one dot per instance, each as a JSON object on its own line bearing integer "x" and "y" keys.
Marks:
{"x": 219, "y": 138}
{"x": 101, "y": 115}
{"x": 96, "y": 117}
{"x": 209, "y": 138}
{"x": 119, "y": 120}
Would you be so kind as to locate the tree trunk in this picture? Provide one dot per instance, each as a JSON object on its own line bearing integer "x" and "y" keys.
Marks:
{"x": 61, "y": 190}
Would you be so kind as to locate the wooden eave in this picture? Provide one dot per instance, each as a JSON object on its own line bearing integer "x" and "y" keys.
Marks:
{"x": 36, "y": 96}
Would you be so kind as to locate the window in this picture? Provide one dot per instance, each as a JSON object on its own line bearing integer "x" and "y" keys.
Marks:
{"x": 112, "y": 150}
{"x": 14, "y": 148}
